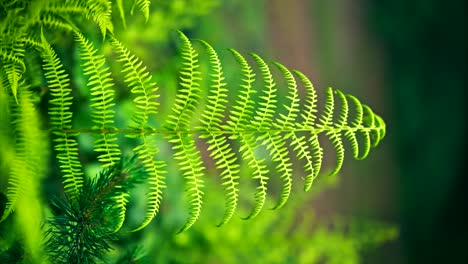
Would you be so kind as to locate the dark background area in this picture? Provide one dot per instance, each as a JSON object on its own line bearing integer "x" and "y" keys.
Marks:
{"x": 425, "y": 43}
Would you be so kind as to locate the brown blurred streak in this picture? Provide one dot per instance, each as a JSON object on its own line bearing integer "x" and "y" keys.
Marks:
{"x": 289, "y": 33}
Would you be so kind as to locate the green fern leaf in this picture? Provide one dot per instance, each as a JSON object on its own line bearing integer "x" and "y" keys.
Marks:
{"x": 27, "y": 169}
{"x": 244, "y": 105}
{"x": 289, "y": 120}
{"x": 61, "y": 119}
{"x": 264, "y": 117}
{"x": 309, "y": 114}
{"x": 144, "y": 6}
{"x": 13, "y": 59}
{"x": 101, "y": 12}
{"x": 188, "y": 96}
{"x": 248, "y": 146}
{"x": 53, "y": 22}
{"x": 155, "y": 169}
{"x": 139, "y": 81}
{"x": 190, "y": 163}
{"x": 219, "y": 148}
{"x": 279, "y": 154}
{"x": 101, "y": 87}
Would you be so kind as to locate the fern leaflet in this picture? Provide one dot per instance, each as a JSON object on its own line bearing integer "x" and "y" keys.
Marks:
{"x": 60, "y": 119}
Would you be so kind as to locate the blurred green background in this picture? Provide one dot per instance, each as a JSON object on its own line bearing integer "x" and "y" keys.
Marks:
{"x": 407, "y": 60}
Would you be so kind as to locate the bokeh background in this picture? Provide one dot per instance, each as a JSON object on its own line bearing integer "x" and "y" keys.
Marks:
{"x": 407, "y": 60}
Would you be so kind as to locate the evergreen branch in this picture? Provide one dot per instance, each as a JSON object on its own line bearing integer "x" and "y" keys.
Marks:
{"x": 81, "y": 233}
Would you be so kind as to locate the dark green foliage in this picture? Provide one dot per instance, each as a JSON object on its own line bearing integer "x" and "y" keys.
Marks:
{"x": 134, "y": 255}
{"x": 3, "y": 203}
{"x": 82, "y": 230}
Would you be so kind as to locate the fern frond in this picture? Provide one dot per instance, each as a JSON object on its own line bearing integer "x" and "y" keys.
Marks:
{"x": 253, "y": 125}
{"x": 279, "y": 153}
{"x": 214, "y": 112}
{"x": 15, "y": 185}
{"x": 61, "y": 119}
{"x": 267, "y": 105}
{"x": 247, "y": 148}
{"x": 144, "y": 6}
{"x": 219, "y": 148}
{"x": 326, "y": 119}
{"x": 299, "y": 145}
{"x": 155, "y": 169}
{"x": 53, "y": 22}
{"x": 71, "y": 7}
{"x": 244, "y": 105}
{"x": 13, "y": 54}
{"x": 24, "y": 190}
{"x": 27, "y": 168}
{"x": 101, "y": 87}
{"x": 342, "y": 121}
{"x": 101, "y": 13}
{"x": 191, "y": 165}
{"x": 226, "y": 161}
{"x": 309, "y": 114}
{"x": 289, "y": 119}
{"x": 188, "y": 96}
{"x": 335, "y": 139}
{"x": 139, "y": 81}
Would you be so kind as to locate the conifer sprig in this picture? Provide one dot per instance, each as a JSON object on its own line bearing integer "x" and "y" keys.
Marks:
{"x": 82, "y": 231}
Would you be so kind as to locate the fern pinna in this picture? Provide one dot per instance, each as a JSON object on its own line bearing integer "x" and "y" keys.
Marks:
{"x": 234, "y": 131}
